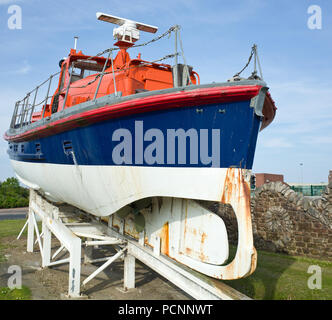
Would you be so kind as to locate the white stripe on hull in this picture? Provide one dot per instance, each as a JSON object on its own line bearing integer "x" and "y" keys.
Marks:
{"x": 102, "y": 190}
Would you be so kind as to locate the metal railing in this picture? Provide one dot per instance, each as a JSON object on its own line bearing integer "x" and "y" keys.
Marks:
{"x": 24, "y": 108}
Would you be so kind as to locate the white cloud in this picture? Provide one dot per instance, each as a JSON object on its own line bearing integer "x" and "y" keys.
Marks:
{"x": 23, "y": 69}
{"x": 318, "y": 140}
{"x": 298, "y": 126}
{"x": 9, "y": 1}
{"x": 300, "y": 87}
{"x": 304, "y": 107}
{"x": 275, "y": 142}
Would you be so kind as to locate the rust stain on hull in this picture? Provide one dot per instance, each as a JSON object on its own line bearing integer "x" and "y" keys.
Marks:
{"x": 201, "y": 251}
{"x": 228, "y": 186}
{"x": 164, "y": 236}
{"x": 237, "y": 193}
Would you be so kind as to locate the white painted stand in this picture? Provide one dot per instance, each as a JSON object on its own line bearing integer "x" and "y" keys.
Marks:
{"x": 69, "y": 236}
{"x": 97, "y": 233}
{"x": 129, "y": 272}
{"x": 71, "y": 242}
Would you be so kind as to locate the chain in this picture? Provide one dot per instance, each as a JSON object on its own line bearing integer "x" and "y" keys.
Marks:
{"x": 169, "y": 31}
{"x": 164, "y": 58}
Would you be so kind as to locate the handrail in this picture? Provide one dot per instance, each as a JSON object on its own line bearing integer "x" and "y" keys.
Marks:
{"x": 37, "y": 87}
{"x": 24, "y": 110}
{"x": 102, "y": 74}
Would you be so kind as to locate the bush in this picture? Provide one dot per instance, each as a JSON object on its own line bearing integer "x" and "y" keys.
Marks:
{"x": 12, "y": 195}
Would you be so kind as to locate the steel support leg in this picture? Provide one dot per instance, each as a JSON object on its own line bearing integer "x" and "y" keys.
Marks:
{"x": 46, "y": 246}
{"x": 75, "y": 268}
{"x": 88, "y": 252}
{"x": 71, "y": 242}
{"x": 129, "y": 272}
{"x": 31, "y": 229}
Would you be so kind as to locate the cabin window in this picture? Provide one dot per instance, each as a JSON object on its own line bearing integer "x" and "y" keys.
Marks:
{"x": 84, "y": 68}
{"x": 76, "y": 74}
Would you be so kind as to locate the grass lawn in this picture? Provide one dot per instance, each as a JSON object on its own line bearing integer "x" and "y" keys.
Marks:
{"x": 9, "y": 228}
{"x": 284, "y": 277}
{"x": 277, "y": 277}
{"x": 15, "y": 294}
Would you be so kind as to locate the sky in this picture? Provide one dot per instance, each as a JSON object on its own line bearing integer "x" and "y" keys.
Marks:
{"x": 217, "y": 36}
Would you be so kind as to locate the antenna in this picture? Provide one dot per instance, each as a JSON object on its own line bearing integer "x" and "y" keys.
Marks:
{"x": 75, "y": 43}
{"x": 128, "y": 32}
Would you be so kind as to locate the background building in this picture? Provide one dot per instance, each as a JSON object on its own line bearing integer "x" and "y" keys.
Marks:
{"x": 307, "y": 189}
{"x": 262, "y": 178}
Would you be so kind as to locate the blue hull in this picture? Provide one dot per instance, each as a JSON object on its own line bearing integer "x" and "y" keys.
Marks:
{"x": 236, "y": 123}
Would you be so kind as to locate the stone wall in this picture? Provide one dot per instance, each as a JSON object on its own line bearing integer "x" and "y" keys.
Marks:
{"x": 284, "y": 221}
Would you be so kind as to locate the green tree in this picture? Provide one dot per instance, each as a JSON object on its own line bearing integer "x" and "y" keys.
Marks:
{"x": 12, "y": 195}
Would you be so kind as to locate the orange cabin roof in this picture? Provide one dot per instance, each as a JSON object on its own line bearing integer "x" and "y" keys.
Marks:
{"x": 131, "y": 75}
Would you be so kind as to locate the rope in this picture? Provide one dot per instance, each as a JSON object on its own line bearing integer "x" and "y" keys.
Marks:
{"x": 259, "y": 67}
{"x": 251, "y": 54}
{"x": 254, "y": 73}
{"x": 184, "y": 59}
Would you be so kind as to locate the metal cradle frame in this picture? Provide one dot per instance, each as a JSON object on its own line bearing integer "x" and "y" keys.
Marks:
{"x": 74, "y": 235}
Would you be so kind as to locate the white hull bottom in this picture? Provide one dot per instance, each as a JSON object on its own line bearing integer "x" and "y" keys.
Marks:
{"x": 102, "y": 190}
{"x": 172, "y": 224}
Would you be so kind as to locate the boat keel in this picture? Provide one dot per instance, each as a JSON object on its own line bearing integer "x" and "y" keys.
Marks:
{"x": 187, "y": 232}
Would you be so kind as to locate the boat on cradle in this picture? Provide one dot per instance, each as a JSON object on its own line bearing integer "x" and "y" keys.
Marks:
{"x": 148, "y": 146}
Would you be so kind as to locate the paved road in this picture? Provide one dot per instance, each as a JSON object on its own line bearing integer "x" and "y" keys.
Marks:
{"x": 13, "y": 214}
